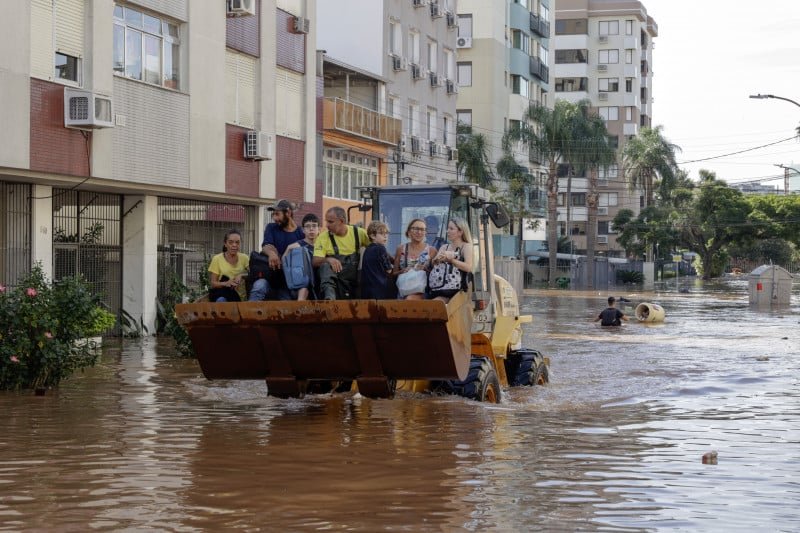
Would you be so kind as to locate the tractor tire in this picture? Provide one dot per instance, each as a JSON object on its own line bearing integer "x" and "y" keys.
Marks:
{"x": 481, "y": 383}
{"x": 526, "y": 368}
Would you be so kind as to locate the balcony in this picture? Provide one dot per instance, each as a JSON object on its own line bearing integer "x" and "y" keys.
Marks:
{"x": 539, "y": 26}
{"x": 354, "y": 119}
{"x": 539, "y": 69}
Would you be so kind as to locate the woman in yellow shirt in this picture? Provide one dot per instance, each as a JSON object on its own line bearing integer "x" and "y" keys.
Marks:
{"x": 228, "y": 271}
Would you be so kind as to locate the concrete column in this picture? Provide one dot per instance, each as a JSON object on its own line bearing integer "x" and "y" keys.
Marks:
{"x": 42, "y": 227}
{"x": 140, "y": 258}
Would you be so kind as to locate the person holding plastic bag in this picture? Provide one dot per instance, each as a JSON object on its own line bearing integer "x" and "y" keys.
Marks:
{"x": 412, "y": 261}
{"x": 452, "y": 265}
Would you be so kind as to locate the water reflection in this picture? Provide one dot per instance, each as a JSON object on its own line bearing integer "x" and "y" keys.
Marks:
{"x": 142, "y": 441}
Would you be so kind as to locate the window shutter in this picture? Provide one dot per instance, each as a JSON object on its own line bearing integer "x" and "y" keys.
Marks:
{"x": 42, "y": 61}
{"x": 289, "y": 96}
{"x": 69, "y": 27}
{"x": 240, "y": 89}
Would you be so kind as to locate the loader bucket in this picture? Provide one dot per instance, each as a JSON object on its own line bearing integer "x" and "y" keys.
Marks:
{"x": 288, "y": 343}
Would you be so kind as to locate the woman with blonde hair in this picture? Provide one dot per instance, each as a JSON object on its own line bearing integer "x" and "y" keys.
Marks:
{"x": 453, "y": 263}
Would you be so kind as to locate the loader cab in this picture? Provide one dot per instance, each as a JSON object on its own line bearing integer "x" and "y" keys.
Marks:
{"x": 437, "y": 204}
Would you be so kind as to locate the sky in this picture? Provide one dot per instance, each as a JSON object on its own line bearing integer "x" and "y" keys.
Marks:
{"x": 709, "y": 56}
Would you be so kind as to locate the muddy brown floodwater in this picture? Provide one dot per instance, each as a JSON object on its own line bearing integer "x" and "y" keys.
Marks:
{"x": 614, "y": 442}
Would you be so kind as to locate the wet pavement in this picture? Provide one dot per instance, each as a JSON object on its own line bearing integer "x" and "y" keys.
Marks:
{"x": 615, "y": 441}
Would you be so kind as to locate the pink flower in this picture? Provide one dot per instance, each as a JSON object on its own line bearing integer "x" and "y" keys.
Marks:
{"x": 14, "y": 359}
{"x": 31, "y": 292}
{"x": 48, "y": 335}
{"x": 2, "y": 288}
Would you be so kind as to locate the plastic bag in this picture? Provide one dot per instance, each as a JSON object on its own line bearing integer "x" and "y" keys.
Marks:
{"x": 411, "y": 282}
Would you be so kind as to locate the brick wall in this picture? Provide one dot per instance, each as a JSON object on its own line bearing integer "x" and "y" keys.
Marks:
{"x": 244, "y": 33}
{"x": 291, "y": 47}
{"x": 241, "y": 175}
{"x": 54, "y": 148}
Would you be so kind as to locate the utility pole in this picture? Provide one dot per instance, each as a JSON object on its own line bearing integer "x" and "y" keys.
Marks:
{"x": 397, "y": 157}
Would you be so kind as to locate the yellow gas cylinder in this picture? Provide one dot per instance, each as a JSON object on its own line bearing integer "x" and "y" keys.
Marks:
{"x": 647, "y": 312}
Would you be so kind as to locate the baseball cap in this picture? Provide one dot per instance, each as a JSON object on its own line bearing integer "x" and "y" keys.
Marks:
{"x": 281, "y": 205}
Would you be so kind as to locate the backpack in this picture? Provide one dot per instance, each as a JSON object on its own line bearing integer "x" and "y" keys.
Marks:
{"x": 297, "y": 268}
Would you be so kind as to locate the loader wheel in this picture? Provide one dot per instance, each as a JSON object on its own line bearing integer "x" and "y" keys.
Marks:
{"x": 526, "y": 368}
{"x": 481, "y": 383}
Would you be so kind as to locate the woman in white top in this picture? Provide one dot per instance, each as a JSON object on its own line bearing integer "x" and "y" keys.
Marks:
{"x": 415, "y": 254}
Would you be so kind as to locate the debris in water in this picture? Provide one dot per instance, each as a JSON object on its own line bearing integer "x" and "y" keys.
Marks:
{"x": 762, "y": 358}
{"x": 710, "y": 458}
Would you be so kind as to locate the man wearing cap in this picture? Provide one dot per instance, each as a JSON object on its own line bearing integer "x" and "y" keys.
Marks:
{"x": 278, "y": 235}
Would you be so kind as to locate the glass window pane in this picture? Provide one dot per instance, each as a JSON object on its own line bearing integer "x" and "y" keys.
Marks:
{"x": 170, "y": 29}
{"x": 119, "y": 12}
{"x": 171, "y": 66}
{"x": 66, "y": 67}
{"x": 133, "y": 54}
{"x": 133, "y": 17}
{"x": 119, "y": 48}
{"x": 152, "y": 61}
{"x": 151, "y": 24}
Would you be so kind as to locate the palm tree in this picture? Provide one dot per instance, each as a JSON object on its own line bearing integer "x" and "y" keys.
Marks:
{"x": 552, "y": 133}
{"x": 594, "y": 152}
{"x": 649, "y": 157}
{"x": 473, "y": 157}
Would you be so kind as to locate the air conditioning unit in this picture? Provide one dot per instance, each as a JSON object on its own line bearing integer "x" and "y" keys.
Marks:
{"x": 399, "y": 63}
{"x": 435, "y": 11}
{"x": 602, "y": 68}
{"x": 602, "y": 96}
{"x": 301, "y": 25}
{"x": 452, "y": 154}
{"x": 241, "y": 8}
{"x": 420, "y": 3}
{"x": 602, "y": 239}
{"x": 416, "y": 146}
{"x": 603, "y": 39}
{"x": 451, "y": 19}
{"x": 451, "y": 87}
{"x": 86, "y": 110}
{"x": 435, "y": 79}
{"x": 257, "y": 145}
{"x": 602, "y": 211}
{"x": 416, "y": 72}
{"x": 464, "y": 42}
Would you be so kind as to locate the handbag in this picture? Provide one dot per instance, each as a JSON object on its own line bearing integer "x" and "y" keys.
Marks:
{"x": 412, "y": 282}
{"x": 447, "y": 277}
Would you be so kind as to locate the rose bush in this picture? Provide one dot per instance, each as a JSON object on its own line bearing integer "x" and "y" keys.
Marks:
{"x": 39, "y": 325}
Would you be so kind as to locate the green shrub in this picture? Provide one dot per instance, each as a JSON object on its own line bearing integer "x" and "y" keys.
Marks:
{"x": 40, "y": 323}
{"x": 629, "y": 276}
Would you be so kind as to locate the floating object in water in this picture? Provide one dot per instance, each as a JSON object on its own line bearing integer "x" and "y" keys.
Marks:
{"x": 647, "y": 312}
{"x": 762, "y": 358}
{"x": 710, "y": 458}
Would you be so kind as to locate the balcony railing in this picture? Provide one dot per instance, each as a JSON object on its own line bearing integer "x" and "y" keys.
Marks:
{"x": 540, "y": 70}
{"x": 357, "y": 120}
{"x": 539, "y": 26}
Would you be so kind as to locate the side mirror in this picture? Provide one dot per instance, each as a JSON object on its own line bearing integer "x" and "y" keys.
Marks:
{"x": 498, "y": 214}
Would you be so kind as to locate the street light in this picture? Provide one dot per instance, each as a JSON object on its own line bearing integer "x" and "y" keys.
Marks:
{"x": 764, "y": 96}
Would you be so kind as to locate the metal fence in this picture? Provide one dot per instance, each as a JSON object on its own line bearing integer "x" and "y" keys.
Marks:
{"x": 15, "y": 232}
{"x": 87, "y": 235}
{"x": 191, "y": 233}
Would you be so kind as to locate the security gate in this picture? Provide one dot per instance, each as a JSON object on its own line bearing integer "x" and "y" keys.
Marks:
{"x": 15, "y": 232}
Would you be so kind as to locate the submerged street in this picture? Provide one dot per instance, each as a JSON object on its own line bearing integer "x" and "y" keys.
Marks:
{"x": 614, "y": 441}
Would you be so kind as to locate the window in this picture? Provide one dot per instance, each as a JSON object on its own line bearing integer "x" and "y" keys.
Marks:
{"x": 628, "y": 27}
{"x": 396, "y": 38}
{"x": 602, "y": 227}
{"x": 413, "y": 126}
{"x": 413, "y": 47}
{"x": 628, "y": 85}
{"x": 520, "y": 86}
{"x": 571, "y": 56}
{"x": 609, "y": 27}
{"x": 449, "y": 64}
{"x": 433, "y": 56}
{"x": 608, "y": 85}
{"x": 629, "y": 55}
{"x": 609, "y": 172}
{"x": 628, "y": 114}
{"x": 465, "y": 25}
{"x": 465, "y": 73}
{"x": 464, "y": 116}
{"x": 608, "y": 113}
{"x": 393, "y": 107}
{"x": 523, "y": 3}
{"x": 568, "y": 85}
{"x": 67, "y": 67}
{"x": 347, "y": 172}
{"x": 572, "y": 27}
{"x": 430, "y": 128}
{"x": 521, "y": 41}
{"x": 606, "y": 57}
{"x": 613, "y": 141}
{"x": 146, "y": 48}
{"x": 447, "y": 123}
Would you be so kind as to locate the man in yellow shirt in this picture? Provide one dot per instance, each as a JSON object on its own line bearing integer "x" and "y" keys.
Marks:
{"x": 336, "y": 254}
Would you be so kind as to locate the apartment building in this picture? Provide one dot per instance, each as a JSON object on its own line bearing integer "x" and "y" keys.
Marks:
{"x": 604, "y": 53}
{"x": 136, "y": 133}
{"x": 504, "y": 67}
{"x": 411, "y": 44}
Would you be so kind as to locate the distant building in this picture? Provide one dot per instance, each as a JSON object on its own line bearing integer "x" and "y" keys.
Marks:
{"x": 757, "y": 188}
{"x": 604, "y": 53}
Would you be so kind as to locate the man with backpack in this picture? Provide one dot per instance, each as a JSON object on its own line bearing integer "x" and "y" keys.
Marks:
{"x": 269, "y": 283}
{"x": 337, "y": 254}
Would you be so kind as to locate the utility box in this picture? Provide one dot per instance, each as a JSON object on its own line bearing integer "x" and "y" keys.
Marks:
{"x": 770, "y": 285}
